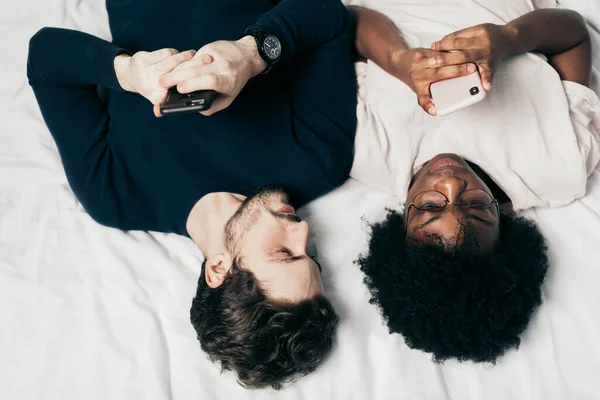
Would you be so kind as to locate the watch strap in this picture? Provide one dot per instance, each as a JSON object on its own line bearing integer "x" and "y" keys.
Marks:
{"x": 260, "y": 35}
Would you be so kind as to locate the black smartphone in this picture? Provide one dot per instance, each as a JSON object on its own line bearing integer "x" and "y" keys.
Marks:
{"x": 177, "y": 103}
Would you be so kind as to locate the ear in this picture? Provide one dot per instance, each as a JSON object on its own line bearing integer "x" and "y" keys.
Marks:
{"x": 217, "y": 268}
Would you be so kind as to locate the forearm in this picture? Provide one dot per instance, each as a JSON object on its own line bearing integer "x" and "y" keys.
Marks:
{"x": 68, "y": 58}
{"x": 64, "y": 69}
{"x": 561, "y": 35}
{"x": 377, "y": 38}
{"x": 574, "y": 65}
{"x": 305, "y": 25}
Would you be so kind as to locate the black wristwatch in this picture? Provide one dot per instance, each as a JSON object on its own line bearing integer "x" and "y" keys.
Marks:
{"x": 269, "y": 47}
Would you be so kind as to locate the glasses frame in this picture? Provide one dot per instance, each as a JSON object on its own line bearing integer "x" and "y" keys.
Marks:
{"x": 412, "y": 204}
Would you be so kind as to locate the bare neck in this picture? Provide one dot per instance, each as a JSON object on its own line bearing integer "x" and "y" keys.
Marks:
{"x": 207, "y": 219}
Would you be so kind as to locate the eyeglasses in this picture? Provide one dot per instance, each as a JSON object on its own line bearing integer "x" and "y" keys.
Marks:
{"x": 434, "y": 201}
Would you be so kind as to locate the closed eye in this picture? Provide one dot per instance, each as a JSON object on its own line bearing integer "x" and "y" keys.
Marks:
{"x": 289, "y": 259}
{"x": 483, "y": 221}
{"x": 430, "y": 207}
{"x": 285, "y": 251}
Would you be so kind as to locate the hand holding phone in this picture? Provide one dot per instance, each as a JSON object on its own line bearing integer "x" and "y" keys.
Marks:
{"x": 486, "y": 45}
{"x": 141, "y": 72}
{"x": 232, "y": 64}
{"x": 418, "y": 68}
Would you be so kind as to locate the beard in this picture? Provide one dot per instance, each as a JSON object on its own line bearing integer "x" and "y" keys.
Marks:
{"x": 247, "y": 215}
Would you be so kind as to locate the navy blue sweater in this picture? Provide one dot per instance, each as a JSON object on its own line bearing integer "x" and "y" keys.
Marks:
{"x": 293, "y": 128}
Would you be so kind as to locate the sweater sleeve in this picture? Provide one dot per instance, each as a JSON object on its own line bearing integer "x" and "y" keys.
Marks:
{"x": 64, "y": 69}
{"x": 304, "y": 25}
{"x": 67, "y": 58}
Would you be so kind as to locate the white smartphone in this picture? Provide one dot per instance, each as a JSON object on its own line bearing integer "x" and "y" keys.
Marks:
{"x": 451, "y": 95}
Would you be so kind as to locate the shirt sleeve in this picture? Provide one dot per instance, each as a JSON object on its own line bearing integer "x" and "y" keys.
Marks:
{"x": 584, "y": 111}
{"x": 64, "y": 69}
{"x": 304, "y": 25}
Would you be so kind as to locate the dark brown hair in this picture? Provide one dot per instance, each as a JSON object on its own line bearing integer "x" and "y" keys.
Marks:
{"x": 265, "y": 342}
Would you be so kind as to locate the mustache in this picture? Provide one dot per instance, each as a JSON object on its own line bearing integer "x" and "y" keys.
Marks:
{"x": 287, "y": 217}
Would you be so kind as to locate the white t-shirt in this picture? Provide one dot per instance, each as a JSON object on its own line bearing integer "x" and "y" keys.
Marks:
{"x": 538, "y": 138}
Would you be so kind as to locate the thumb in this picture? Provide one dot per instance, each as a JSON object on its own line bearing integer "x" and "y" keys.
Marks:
{"x": 156, "y": 111}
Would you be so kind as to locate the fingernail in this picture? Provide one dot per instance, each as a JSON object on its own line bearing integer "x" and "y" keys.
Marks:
{"x": 433, "y": 45}
{"x": 471, "y": 68}
{"x": 431, "y": 110}
{"x": 487, "y": 86}
{"x": 431, "y": 62}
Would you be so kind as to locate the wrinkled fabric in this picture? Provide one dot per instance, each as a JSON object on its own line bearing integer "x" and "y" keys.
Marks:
{"x": 537, "y": 139}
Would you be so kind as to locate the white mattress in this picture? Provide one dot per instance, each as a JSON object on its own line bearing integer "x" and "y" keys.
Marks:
{"x": 88, "y": 312}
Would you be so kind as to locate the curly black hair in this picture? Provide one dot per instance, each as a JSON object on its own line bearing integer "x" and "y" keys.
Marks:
{"x": 453, "y": 302}
{"x": 266, "y": 343}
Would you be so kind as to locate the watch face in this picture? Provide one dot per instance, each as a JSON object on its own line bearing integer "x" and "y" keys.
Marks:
{"x": 272, "y": 47}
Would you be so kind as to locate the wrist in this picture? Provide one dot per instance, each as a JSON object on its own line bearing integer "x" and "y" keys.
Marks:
{"x": 256, "y": 64}
{"x": 511, "y": 35}
{"x": 121, "y": 64}
{"x": 400, "y": 66}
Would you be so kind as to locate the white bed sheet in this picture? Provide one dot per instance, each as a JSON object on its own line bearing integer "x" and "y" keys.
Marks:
{"x": 88, "y": 312}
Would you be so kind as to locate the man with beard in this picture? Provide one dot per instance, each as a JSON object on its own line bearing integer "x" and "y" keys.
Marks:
{"x": 259, "y": 309}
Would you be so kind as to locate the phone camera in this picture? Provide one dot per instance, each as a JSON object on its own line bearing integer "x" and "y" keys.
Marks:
{"x": 474, "y": 90}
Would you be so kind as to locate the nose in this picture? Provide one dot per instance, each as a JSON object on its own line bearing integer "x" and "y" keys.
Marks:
{"x": 299, "y": 236}
{"x": 451, "y": 186}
